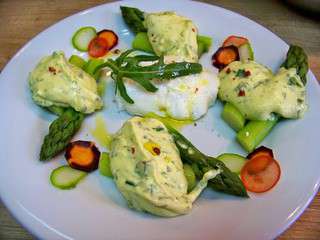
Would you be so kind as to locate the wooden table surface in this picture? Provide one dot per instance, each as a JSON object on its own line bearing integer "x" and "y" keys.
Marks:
{"x": 22, "y": 20}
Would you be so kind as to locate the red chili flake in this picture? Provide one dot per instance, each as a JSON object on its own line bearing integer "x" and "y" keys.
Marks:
{"x": 247, "y": 73}
{"x": 241, "y": 93}
{"x": 53, "y": 70}
{"x": 133, "y": 150}
{"x": 156, "y": 150}
{"x": 228, "y": 70}
{"x": 196, "y": 90}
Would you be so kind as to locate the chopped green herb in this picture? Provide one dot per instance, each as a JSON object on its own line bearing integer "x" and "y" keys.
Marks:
{"x": 241, "y": 73}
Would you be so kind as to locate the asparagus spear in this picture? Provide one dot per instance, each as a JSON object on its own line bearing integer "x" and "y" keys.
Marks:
{"x": 61, "y": 131}
{"x": 226, "y": 181}
{"x": 298, "y": 59}
{"x": 134, "y": 18}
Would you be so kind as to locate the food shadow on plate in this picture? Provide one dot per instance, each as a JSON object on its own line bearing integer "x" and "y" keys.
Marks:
{"x": 41, "y": 112}
{"x": 110, "y": 191}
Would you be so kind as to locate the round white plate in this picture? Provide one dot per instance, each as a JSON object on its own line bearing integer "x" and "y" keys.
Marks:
{"x": 95, "y": 209}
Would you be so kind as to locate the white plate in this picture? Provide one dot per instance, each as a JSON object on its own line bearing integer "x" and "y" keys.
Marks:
{"x": 95, "y": 209}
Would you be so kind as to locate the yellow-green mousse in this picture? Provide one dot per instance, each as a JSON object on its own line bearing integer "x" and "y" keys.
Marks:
{"x": 173, "y": 36}
{"x": 148, "y": 171}
{"x": 55, "y": 81}
{"x": 257, "y": 93}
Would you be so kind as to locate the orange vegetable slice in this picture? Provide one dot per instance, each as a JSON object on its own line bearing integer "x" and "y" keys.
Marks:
{"x": 82, "y": 155}
{"x": 110, "y": 36}
{"x": 225, "y": 55}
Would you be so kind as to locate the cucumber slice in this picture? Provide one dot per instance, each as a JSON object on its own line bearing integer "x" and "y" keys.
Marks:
{"x": 104, "y": 165}
{"x": 233, "y": 117}
{"x": 246, "y": 52}
{"x": 65, "y": 177}
{"x": 77, "y": 61}
{"x": 254, "y": 132}
{"x": 82, "y": 37}
{"x": 232, "y": 161}
{"x": 190, "y": 176}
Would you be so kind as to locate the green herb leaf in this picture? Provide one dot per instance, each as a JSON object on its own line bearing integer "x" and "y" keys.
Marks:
{"x": 126, "y": 66}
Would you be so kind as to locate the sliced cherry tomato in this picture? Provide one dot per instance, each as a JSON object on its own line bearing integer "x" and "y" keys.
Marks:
{"x": 235, "y": 41}
{"x": 98, "y": 47}
{"x": 110, "y": 36}
{"x": 260, "y": 174}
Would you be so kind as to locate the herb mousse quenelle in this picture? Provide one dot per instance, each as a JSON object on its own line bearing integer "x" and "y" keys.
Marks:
{"x": 183, "y": 97}
{"x": 56, "y": 82}
{"x": 257, "y": 93}
{"x": 148, "y": 171}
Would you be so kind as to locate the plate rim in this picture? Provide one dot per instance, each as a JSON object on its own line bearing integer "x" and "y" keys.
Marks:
{"x": 30, "y": 228}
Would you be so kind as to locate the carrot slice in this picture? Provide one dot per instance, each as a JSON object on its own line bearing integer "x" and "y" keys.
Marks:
{"x": 260, "y": 174}
{"x": 236, "y": 41}
{"x": 82, "y": 155}
{"x": 225, "y": 55}
{"x": 110, "y": 37}
{"x": 98, "y": 47}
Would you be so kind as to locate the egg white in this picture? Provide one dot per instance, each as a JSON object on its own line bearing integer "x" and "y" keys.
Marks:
{"x": 187, "y": 97}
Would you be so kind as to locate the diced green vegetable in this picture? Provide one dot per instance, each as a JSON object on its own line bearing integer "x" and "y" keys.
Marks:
{"x": 82, "y": 37}
{"x": 233, "y": 117}
{"x": 77, "y": 61}
{"x": 141, "y": 42}
{"x": 104, "y": 165}
{"x": 232, "y": 161}
{"x": 65, "y": 177}
{"x": 190, "y": 176}
{"x": 254, "y": 132}
{"x": 91, "y": 66}
{"x": 246, "y": 52}
{"x": 204, "y": 44}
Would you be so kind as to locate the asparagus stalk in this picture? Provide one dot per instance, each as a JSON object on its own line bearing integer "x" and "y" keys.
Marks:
{"x": 134, "y": 18}
{"x": 298, "y": 59}
{"x": 61, "y": 131}
{"x": 227, "y": 181}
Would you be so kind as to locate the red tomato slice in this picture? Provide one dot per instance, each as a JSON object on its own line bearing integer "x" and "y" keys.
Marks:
{"x": 98, "y": 47}
{"x": 234, "y": 41}
{"x": 260, "y": 174}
